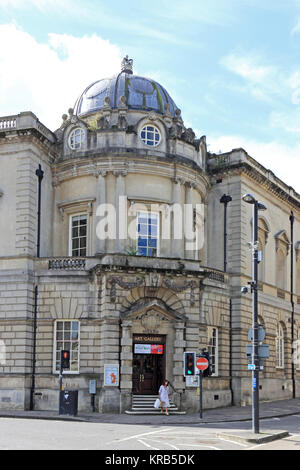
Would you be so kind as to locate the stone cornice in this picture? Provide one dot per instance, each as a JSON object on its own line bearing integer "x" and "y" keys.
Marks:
{"x": 30, "y": 136}
{"x": 187, "y": 170}
{"x": 260, "y": 175}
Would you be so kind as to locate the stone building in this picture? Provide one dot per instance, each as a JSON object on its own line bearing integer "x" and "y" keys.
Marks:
{"x": 130, "y": 271}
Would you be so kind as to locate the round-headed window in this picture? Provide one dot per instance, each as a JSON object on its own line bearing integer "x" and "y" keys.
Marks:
{"x": 76, "y": 138}
{"x": 150, "y": 135}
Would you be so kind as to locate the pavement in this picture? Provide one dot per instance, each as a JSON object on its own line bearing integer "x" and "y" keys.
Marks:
{"x": 274, "y": 409}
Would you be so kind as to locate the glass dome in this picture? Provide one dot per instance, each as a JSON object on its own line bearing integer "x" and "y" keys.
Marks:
{"x": 140, "y": 93}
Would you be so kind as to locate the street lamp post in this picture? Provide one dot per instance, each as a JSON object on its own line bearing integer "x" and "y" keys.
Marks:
{"x": 248, "y": 198}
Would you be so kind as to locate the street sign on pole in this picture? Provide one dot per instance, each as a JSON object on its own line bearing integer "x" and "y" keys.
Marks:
{"x": 260, "y": 332}
{"x": 202, "y": 363}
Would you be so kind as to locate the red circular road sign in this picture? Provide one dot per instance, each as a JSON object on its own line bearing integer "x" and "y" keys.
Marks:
{"x": 202, "y": 363}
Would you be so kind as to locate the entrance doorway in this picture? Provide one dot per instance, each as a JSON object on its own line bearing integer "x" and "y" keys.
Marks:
{"x": 148, "y": 364}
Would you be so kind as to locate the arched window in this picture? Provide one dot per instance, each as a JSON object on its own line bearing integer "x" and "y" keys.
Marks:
{"x": 279, "y": 347}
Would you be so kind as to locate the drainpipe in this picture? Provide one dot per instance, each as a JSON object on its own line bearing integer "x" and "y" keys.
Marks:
{"x": 40, "y": 174}
{"x": 292, "y": 220}
{"x": 225, "y": 199}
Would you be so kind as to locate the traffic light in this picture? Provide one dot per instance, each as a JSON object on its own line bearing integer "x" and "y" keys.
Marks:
{"x": 189, "y": 364}
{"x": 65, "y": 359}
{"x": 207, "y": 372}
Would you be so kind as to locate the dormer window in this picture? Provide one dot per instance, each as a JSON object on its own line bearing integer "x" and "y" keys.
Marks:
{"x": 150, "y": 135}
{"x": 76, "y": 139}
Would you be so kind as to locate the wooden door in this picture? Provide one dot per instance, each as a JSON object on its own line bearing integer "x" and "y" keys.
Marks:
{"x": 147, "y": 374}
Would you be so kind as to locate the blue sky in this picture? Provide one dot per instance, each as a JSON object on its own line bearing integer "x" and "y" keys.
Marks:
{"x": 232, "y": 66}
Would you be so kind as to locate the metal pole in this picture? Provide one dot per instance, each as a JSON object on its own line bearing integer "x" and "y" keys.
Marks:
{"x": 201, "y": 388}
{"x": 292, "y": 220}
{"x": 40, "y": 174}
{"x": 255, "y": 358}
{"x": 32, "y": 390}
{"x": 225, "y": 199}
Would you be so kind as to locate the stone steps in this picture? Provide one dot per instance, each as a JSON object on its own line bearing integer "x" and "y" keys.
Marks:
{"x": 144, "y": 405}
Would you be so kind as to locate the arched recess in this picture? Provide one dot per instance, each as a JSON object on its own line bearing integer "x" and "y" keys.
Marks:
{"x": 166, "y": 296}
{"x": 282, "y": 245}
{"x": 153, "y": 312}
{"x": 263, "y": 233}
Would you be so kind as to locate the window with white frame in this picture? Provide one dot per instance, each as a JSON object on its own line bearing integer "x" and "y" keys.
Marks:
{"x": 150, "y": 135}
{"x": 78, "y": 235}
{"x": 76, "y": 139}
{"x": 279, "y": 347}
{"x": 148, "y": 234}
{"x": 213, "y": 348}
{"x": 67, "y": 337}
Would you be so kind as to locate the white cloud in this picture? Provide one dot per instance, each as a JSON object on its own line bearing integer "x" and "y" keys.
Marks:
{"x": 264, "y": 82}
{"x": 47, "y": 78}
{"x": 296, "y": 28}
{"x": 282, "y": 159}
{"x": 247, "y": 67}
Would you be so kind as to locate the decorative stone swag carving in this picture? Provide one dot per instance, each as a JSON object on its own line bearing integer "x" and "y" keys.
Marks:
{"x": 171, "y": 284}
{"x": 114, "y": 281}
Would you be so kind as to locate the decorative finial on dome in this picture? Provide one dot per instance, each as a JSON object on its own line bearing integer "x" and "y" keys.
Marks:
{"x": 127, "y": 65}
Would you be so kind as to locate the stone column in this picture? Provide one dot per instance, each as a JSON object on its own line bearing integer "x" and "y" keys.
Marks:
{"x": 126, "y": 366}
{"x": 101, "y": 199}
{"x": 121, "y": 211}
{"x": 177, "y": 221}
{"x": 179, "y": 347}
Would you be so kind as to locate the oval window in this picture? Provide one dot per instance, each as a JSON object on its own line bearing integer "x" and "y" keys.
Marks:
{"x": 150, "y": 135}
{"x": 76, "y": 139}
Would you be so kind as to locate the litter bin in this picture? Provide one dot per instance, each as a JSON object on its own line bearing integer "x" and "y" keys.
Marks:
{"x": 68, "y": 402}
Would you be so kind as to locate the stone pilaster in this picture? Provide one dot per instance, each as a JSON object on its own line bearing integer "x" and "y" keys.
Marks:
{"x": 109, "y": 400}
{"x": 126, "y": 366}
{"x": 179, "y": 347}
{"x": 189, "y": 222}
{"x": 101, "y": 199}
{"x": 177, "y": 221}
{"x": 121, "y": 208}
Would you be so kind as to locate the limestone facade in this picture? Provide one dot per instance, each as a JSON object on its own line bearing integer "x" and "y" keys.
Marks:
{"x": 103, "y": 300}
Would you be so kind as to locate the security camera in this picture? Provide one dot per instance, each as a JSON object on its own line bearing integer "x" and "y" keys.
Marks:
{"x": 244, "y": 290}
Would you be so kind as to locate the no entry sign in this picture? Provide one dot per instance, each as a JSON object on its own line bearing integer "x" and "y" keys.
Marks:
{"x": 202, "y": 363}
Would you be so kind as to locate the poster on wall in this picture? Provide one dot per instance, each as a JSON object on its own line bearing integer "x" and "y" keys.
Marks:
{"x": 148, "y": 349}
{"x": 111, "y": 375}
{"x": 192, "y": 381}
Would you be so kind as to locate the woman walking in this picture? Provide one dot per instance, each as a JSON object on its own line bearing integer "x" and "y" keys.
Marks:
{"x": 164, "y": 396}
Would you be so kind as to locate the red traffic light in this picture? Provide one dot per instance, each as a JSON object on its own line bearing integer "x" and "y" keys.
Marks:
{"x": 65, "y": 359}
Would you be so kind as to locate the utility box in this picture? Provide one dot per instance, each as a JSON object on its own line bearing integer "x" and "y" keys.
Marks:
{"x": 68, "y": 402}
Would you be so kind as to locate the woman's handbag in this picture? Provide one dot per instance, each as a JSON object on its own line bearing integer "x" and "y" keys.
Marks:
{"x": 157, "y": 403}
